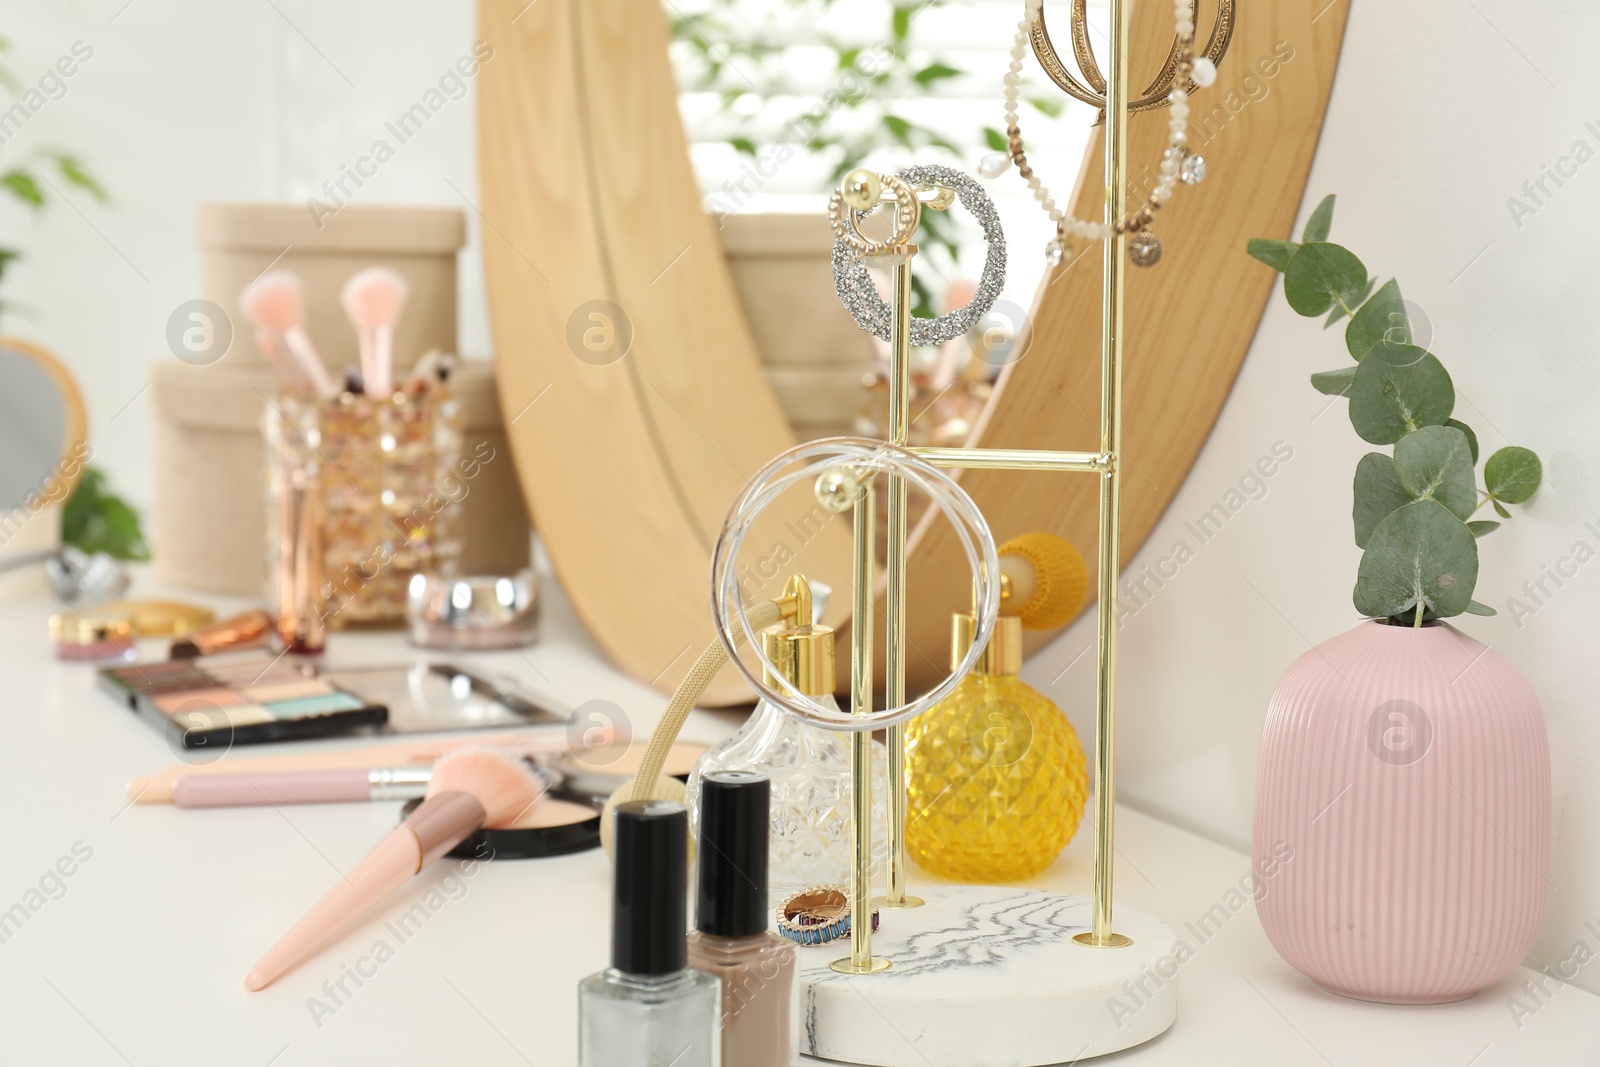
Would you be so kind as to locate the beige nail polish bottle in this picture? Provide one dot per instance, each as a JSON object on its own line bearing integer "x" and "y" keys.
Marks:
{"x": 731, "y": 940}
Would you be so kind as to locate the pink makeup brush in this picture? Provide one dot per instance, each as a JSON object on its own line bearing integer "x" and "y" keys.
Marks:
{"x": 276, "y": 303}
{"x": 351, "y": 785}
{"x": 374, "y": 300}
{"x": 288, "y": 374}
{"x": 471, "y": 789}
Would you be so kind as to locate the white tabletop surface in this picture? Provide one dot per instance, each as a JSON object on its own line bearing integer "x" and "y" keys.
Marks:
{"x": 138, "y": 957}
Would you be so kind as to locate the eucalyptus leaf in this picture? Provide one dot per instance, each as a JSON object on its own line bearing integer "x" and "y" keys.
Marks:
{"x": 1338, "y": 312}
{"x": 1475, "y": 608}
{"x": 1275, "y": 254}
{"x": 1334, "y": 382}
{"x": 1435, "y": 463}
{"x": 1399, "y": 388}
{"x": 1321, "y": 275}
{"x": 1500, "y": 510}
{"x": 1482, "y": 527}
{"x": 1421, "y": 559}
{"x": 1513, "y": 474}
{"x": 1383, "y": 317}
{"x": 1321, "y": 220}
{"x": 1472, "y": 437}
{"x": 1378, "y": 494}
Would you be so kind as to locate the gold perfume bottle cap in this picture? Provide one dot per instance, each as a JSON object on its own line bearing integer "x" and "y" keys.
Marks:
{"x": 802, "y": 651}
{"x": 1003, "y": 653}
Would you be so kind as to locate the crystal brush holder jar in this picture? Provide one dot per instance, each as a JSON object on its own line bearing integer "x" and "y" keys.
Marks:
{"x": 390, "y": 477}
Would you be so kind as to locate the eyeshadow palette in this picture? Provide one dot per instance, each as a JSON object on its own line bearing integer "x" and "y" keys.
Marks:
{"x": 240, "y": 701}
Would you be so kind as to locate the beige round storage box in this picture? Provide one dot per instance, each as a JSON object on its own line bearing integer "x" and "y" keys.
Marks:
{"x": 814, "y": 354}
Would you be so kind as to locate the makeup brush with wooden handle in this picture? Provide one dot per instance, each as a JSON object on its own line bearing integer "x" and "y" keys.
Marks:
{"x": 276, "y": 303}
{"x": 374, "y": 300}
{"x": 471, "y": 789}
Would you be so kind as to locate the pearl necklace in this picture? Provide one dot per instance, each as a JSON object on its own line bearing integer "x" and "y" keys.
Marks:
{"x": 1177, "y": 162}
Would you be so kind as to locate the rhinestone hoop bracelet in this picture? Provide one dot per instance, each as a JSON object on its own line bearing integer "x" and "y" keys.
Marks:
{"x": 855, "y": 286}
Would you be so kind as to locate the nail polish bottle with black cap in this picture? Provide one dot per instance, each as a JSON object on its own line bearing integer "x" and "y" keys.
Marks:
{"x": 649, "y": 1008}
{"x": 731, "y": 939}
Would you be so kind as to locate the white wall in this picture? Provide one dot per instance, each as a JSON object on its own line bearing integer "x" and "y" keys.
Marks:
{"x": 184, "y": 101}
{"x": 1440, "y": 112}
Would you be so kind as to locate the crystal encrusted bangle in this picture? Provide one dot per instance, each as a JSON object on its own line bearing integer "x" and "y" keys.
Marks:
{"x": 860, "y": 294}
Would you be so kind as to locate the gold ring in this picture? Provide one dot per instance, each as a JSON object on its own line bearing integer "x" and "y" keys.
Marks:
{"x": 817, "y": 915}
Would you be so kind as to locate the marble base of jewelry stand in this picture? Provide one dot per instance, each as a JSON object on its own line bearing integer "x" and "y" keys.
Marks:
{"x": 988, "y": 976}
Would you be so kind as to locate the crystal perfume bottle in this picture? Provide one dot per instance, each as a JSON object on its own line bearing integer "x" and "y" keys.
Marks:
{"x": 731, "y": 938}
{"x": 809, "y": 767}
{"x": 649, "y": 1008}
{"x": 996, "y": 779}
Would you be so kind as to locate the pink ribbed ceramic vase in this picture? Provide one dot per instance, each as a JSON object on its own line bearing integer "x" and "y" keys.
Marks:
{"x": 1408, "y": 770}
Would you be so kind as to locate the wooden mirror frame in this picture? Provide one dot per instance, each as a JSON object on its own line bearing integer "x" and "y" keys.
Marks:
{"x": 588, "y": 195}
{"x": 77, "y": 419}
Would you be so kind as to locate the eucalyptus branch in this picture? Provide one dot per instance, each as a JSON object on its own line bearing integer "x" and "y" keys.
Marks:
{"x": 1410, "y": 509}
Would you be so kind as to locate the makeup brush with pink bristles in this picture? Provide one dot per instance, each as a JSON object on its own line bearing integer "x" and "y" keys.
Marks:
{"x": 472, "y": 788}
{"x": 276, "y": 303}
{"x": 374, "y": 300}
{"x": 288, "y": 374}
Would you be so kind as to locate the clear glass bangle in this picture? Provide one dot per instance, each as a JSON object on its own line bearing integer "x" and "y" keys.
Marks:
{"x": 864, "y": 458}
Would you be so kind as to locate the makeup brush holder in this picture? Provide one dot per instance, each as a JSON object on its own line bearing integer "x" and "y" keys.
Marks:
{"x": 391, "y": 477}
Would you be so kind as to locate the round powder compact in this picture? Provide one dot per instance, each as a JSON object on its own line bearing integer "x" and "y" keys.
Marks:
{"x": 559, "y": 824}
{"x": 597, "y": 774}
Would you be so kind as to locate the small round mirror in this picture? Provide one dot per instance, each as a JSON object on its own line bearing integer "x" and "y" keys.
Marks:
{"x": 43, "y": 445}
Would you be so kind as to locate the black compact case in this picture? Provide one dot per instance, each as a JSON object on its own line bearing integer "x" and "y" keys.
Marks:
{"x": 533, "y": 842}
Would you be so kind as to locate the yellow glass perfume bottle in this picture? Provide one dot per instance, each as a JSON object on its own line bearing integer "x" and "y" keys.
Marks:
{"x": 996, "y": 778}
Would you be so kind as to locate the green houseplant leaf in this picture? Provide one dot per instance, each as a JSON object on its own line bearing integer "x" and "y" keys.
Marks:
{"x": 933, "y": 72}
{"x": 1399, "y": 388}
{"x": 1321, "y": 275}
{"x": 1421, "y": 562}
{"x": 74, "y": 172}
{"x": 23, "y": 187}
{"x": 1383, "y": 317}
{"x": 97, "y": 520}
{"x": 1513, "y": 474}
{"x": 1434, "y": 463}
{"x": 1378, "y": 494}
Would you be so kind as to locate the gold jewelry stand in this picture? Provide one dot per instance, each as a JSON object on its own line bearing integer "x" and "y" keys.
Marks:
{"x": 861, "y": 190}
